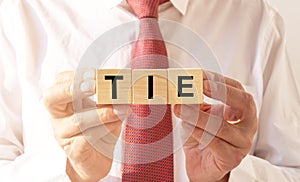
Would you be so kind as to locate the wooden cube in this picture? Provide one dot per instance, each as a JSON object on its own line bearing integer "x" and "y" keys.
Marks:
{"x": 113, "y": 86}
{"x": 150, "y": 86}
{"x": 185, "y": 86}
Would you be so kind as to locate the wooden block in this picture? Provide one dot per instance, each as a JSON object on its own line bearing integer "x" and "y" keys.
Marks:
{"x": 143, "y": 80}
{"x": 185, "y": 86}
{"x": 113, "y": 86}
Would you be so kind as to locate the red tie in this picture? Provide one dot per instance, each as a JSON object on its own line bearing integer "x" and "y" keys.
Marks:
{"x": 146, "y": 145}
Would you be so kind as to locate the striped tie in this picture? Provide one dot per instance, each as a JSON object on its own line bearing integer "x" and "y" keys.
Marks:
{"x": 144, "y": 145}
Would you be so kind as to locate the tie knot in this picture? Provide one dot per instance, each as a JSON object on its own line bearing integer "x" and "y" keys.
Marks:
{"x": 145, "y": 8}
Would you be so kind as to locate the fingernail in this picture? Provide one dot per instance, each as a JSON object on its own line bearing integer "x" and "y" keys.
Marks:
{"x": 90, "y": 74}
{"x": 87, "y": 86}
{"x": 189, "y": 113}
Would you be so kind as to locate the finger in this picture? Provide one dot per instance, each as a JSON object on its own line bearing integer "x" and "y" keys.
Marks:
{"x": 88, "y": 104}
{"x": 79, "y": 74}
{"x": 225, "y": 155}
{"x": 73, "y": 125}
{"x": 240, "y": 101}
{"x": 230, "y": 114}
{"x": 191, "y": 111}
{"x": 59, "y": 99}
{"x": 63, "y": 93}
{"x": 104, "y": 144}
{"x": 190, "y": 142}
{"x": 109, "y": 113}
{"x": 64, "y": 77}
{"x": 67, "y": 89}
{"x": 96, "y": 136}
{"x": 221, "y": 110}
{"x": 205, "y": 107}
{"x": 101, "y": 131}
{"x": 217, "y": 127}
{"x": 228, "y": 134}
{"x": 83, "y": 105}
{"x": 61, "y": 111}
{"x": 211, "y": 76}
{"x": 78, "y": 146}
{"x": 122, "y": 111}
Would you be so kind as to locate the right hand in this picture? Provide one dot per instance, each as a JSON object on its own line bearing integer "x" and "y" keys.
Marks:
{"x": 84, "y": 162}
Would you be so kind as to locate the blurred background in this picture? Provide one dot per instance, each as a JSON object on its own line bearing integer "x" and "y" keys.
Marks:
{"x": 290, "y": 11}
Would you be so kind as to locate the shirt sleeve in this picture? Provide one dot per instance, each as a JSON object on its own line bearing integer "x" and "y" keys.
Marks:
{"x": 15, "y": 163}
{"x": 276, "y": 155}
{"x": 11, "y": 144}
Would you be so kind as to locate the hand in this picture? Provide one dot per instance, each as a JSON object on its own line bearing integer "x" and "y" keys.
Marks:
{"x": 99, "y": 124}
{"x": 233, "y": 140}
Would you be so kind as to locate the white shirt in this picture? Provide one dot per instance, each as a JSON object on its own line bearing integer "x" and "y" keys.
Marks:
{"x": 39, "y": 39}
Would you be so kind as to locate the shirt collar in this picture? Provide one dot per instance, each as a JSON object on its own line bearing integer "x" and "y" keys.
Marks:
{"x": 180, "y": 5}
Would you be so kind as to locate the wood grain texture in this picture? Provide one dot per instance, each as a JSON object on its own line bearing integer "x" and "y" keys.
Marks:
{"x": 140, "y": 90}
{"x": 191, "y": 77}
{"x": 170, "y": 86}
{"x": 104, "y": 87}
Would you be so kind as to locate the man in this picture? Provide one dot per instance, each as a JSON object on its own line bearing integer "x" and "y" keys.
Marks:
{"x": 42, "y": 39}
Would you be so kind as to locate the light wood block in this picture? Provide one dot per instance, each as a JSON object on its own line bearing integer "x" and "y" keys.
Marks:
{"x": 117, "y": 92}
{"x": 191, "y": 82}
{"x": 141, "y": 90}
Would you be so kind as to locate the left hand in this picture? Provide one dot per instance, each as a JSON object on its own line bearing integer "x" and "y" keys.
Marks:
{"x": 232, "y": 141}
{"x": 85, "y": 131}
